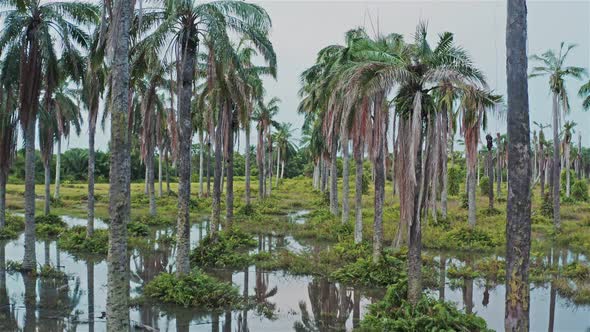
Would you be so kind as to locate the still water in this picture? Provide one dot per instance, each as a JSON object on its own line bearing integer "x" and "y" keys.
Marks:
{"x": 285, "y": 302}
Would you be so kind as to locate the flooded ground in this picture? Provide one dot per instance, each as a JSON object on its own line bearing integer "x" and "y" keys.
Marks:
{"x": 285, "y": 302}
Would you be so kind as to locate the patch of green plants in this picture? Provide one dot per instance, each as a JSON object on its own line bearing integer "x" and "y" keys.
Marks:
{"x": 455, "y": 177}
{"x": 461, "y": 237}
{"x": 45, "y": 231}
{"x": 580, "y": 191}
{"x": 137, "y": 229}
{"x": 321, "y": 224}
{"x": 50, "y": 219}
{"x": 227, "y": 249}
{"x": 193, "y": 290}
{"x": 576, "y": 270}
{"x": 50, "y": 272}
{"x": 295, "y": 264}
{"x": 547, "y": 205}
{"x": 154, "y": 220}
{"x": 484, "y": 185}
{"x": 14, "y": 225}
{"x": 389, "y": 270}
{"x": 75, "y": 241}
{"x": 395, "y": 313}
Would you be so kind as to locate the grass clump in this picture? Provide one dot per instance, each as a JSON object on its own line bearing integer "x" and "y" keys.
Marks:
{"x": 48, "y": 226}
{"x": 138, "y": 229}
{"x": 580, "y": 191}
{"x": 321, "y": 224}
{"x": 50, "y": 272}
{"x": 74, "y": 240}
{"x": 395, "y": 313}
{"x": 154, "y": 220}
{"x": 228, "y": 249}
{"x": 14, "y": 225}
{"x": 461, "y": 237}
{"x": 387, "y": 271}
{"x": 50, "y": 219}
{"x": 193, "y": 290}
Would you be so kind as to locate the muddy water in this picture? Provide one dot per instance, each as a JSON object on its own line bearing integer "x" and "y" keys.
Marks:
{"x": 285, "y": 302}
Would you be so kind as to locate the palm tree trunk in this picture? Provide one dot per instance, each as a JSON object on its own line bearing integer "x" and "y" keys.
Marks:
{"x": 518, "y": 227}
{"x": 499, "y": 174}
{"x": 167, "y": 174}
{"x": 146, "y": 186}
{"x": 229, "y": 195}
{"x": 471, "y": 198}
{"x": 247, "y": 164}
{"x": 201, "y": 163}
{"x": 566, "y": 153}
{"x": 278, "y": 166}
{"x": 90, "y": 285}
{"x": 556, "y": 166}
{"x": 118, "y": 275}
{"x": 91, "y": 166}
{"x": 444, "y": 195}
{"x": 261, "y": 171}
{"x": 282, "y": 169}
{"x": 269, "y": 174}
{"x": 316, "y": 176}
{"x": 345, "y": 179}
{"x": 189, "y": 49}
{"x": 159, "y": 172}
{"x": 149, "y": 164}
{"x": 208, "y": 166}
{"x": 334, "y": 176}
{"x": 47, "y": 195}
{"x": 379, "y": 180}
{"x": 358, "y": 193}
{"x": 491, "y": 177}
{"x": 323, "y": 175}
{"x": 394, "y": 149}
{"x": 2, "y": 200}
{"x": 57, "y": 170}
{"x": 29, "y": 260}
{"x": 217, "y": 175}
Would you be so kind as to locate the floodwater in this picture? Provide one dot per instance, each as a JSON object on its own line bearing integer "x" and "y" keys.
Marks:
{"x": 284, "y": 302}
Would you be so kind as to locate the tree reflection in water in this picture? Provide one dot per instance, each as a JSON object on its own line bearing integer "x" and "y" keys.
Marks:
{"x": 8, "y": 320}
{"x": 330, "y": 306}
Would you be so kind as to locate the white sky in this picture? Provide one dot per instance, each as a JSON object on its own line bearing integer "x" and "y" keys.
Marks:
{"x": 301, "y": 28}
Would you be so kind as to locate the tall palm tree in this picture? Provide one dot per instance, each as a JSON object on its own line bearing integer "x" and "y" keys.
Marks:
{"x": 8, "y": 125}
{"x": 120, "y": 16}
{"x": 518, "y": 225}
{"x": 568, "y": 131}
{"x": 285, "y": 148}
{"x": 47, "y": 138}
{"x": 553, "y": 65}
{"x": 183, "y": 23}
{"x": 264, "y": 114}
{"x": 30, "y": 25}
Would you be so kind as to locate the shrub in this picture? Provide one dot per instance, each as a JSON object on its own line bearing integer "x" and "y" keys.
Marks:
{"x": 455, "y": 177}
{"x": 227, "y": 250}
{"x": 14, "y": 225}
{"x": 395, "y": 313}
{"x": 563, "y": 179}
{"x": 484, "y": 185}
{"x": 547, "y": 206}
{"x": 138, "y": 229}
{"x": 387, "y": 271}
{"x": 154, "y": 220}
{"x": 49, "y": 219}
{"x": 580, "y": 191}
{"x": 193, "y": 290}
{"x": 75, "y": 240}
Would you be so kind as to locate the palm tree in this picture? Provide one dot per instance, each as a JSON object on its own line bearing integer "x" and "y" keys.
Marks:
{"x": 518, "y": 226}
{"x": 184, "y": 23}
{"x": 568, "y": 130}
{"x": 264, "y": 114}
{"x": 47, "y": 137}
{"x": 8, "y": 122}
{"x": 119, "y": 192}
{"x": 285, "y": 148}
{"x": 553, "y": 65}
{"x": 541, "y": 155}
{"x": 28, "y": 25}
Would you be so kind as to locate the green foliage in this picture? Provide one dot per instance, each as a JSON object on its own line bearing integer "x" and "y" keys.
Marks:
{"x": 193, "y": 290}
{"x": 74, "y": 240}
{"x": 580, "y": 191}
{"x": 576, "y": 270}
{"x": 464, "y": 201}
{"x": 365, "y": 184}
{"x": 564, "y": 179}
{"x": 321, "y": 224}
{"x": 387, "y": 271}
{"x": 14, "y": 225}
{"x": 228, "y": 249}
{"x": 462, "y": 237}
{"x": 49, "y": 230}
{"x": 456, "y": 176}
{"x": 154, "y": 220}
{"x": 50, "y": 272}
{"x": 484, "y": 185}
{"x": 138, "y": 229}
{"x": 49, "y": 219}
{"x": 395, "y": 313}
{"x": 547, "y": 206}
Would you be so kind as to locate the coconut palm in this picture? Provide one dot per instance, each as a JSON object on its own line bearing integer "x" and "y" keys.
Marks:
{"x": 518, "y": 226}
{"x": 182, "y": 24}
{"x": 541, "y": 155}
{"x": 568, "y": 131}
{"x": 285, "y": 147}
{"x": 31, "y": 25}
{"x": 263, "y": 115}
{"x": 552, "y": 65}
{"x": 8, "y": 125}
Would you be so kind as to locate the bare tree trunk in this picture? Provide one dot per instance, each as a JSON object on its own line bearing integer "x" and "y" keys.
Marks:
{"x": 2, "y": 201}
{"x": 323, "y": 175}
{"x": 394, "y": 148}
{"x": 167, "y": 176}
{"x": 491, "y": 182}
{"x": 90, "y": 285}
{"x": 282, "y": 169}
{"x": 29, "y": 260}
{"x": 91, "y": 168}
{"x": 471, "y": 215}
{"x": 229, "y": 198}
{"x": 247, "y": 164}
{"x": 444, "y": 195}
{"x": 556, "y": 165}
{"x": 201, "y": 163}
{"x": 269, "y": 173}
{"x": 120, "y": 171}
{"x": 379, "y": 131}
{"x": 57, "y": 170}
{"x": 278, "y": 166}
{"x": 216, "y": 203}
{"x": 334, "y": 177}
{"x": 47, "y": 195}
{"x": 209, "y": 166}
{"x": 358, "y": 193}
{"x": 566, "y": 152}
{"x": 261, "y": 165}
{"x": 316, "y": 176}
{"x": 185, "y": 133}
{"x": 160, "y": 173}
{"x": 518, "y": 226}
{"x": 149, "y": 164}
{"x": 345, "y": 179}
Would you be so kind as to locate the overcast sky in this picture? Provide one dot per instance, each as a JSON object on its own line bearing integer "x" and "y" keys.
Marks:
{"x": 301, "y": 28}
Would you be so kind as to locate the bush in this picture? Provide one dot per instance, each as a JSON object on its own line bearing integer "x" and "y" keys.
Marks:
{"x": 395, "y": 313}
{"x": 75, "y": 240}
{"x": 387, "y": 271}
{"x": 49, "y": 219}
{"x": 547, "y": 206}
{"x": 193, "y": 290}
{"x": 138, "y": 229}
{"x": 455, "y": 178}
{"x": 564, "y": 179}
{"x": 14, "y": 225}
{"x": 484, "y": 185}
{"x": 227, "y": 250}
{"x": 580, "y": 191}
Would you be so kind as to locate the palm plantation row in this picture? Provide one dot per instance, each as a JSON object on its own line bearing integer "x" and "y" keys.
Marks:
{"x": 181, "y": 70}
